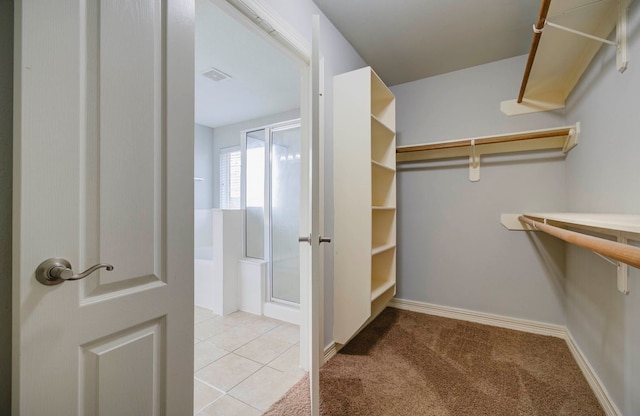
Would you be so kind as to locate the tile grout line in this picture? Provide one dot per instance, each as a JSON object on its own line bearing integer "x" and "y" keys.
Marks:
{"x": 262, "y": 365}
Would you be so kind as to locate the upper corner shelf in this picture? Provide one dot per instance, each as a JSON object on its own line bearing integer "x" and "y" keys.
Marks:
{"x": 567, "y": 35}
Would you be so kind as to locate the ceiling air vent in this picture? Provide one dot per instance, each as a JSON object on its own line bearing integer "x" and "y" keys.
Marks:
{"x": 215, "y": 74}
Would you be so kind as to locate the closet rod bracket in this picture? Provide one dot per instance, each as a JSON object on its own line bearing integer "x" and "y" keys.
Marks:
{"x": 623, "y": 269}
{"x": 622, "y": 60}
{"x": 474, "y": 163}
{"x": 572, "y": 138}
{"x": 605, "y": 224}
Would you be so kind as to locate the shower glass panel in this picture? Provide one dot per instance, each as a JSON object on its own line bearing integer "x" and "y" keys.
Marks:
{"x": 255, "y": 195}
{"x": 271, "y": 201}
{"x": 285, "y": 214}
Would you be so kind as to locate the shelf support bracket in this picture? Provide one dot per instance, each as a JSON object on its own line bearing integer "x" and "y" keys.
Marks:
{"x": 623, "y": 270}
{"x": 572, "y": 138}
{"x": 474, "y": 163}
{"x": 621, "y": 35}
{"x": 622, "y": 59}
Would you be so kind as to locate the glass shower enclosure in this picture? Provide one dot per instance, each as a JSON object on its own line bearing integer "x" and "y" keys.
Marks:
{"x": 271, "y": 204}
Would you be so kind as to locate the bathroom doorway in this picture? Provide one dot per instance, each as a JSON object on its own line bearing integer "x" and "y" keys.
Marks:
{"x": 251, "y": 335}
{"x": 249, "y": 85}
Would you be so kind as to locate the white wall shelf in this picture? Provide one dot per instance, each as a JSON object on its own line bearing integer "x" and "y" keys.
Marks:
{"x": 383, "y": 167}
{"x": 377, "y": 249}
{"x": 565, "y": 48}
{"x": 382, "y": 137}
{"x": 379, "y": 123}
{"x": 622, "y": 227}
{"x": 374, "y": 208}
{"x": 383, "y": 277}
{"x": 561, "y": 138}
{"x": 379, "y": 287}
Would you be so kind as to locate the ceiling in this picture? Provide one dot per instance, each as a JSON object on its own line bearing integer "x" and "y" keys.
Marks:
{"x": 406, "y": 40}
{"x": 263, "y": 80}
{"x": 403, "y": 40}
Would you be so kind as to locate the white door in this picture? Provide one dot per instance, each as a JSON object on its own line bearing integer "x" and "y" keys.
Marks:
{"x": 311, "y": 336}
{"x": 317, "y": 350}
{"x": 103, "y": 172}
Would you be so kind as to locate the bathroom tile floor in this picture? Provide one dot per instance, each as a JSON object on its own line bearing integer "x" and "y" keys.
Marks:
{"x": 243, "y": 362}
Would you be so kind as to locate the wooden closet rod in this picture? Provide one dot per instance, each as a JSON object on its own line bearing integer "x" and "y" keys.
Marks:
{"x": 487, "y": 140}
{"x": 542, "y": 16}
{"x": 617, "y": 251}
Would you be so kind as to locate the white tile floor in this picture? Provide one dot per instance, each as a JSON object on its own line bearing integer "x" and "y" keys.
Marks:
{"x": 243, "y": 362}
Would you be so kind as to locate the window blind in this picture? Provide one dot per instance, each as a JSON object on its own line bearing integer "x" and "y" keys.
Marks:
{"x": 230, "y": 163}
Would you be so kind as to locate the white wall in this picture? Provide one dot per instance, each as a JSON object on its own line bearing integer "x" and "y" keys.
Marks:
{"x": 339, "y": 56}
{"x": 6, "y": 156}
{"x": 603, "y": 175}
{"x": 203, "y": 191}
{"x": 452, "y": 249}
{"x": 203, "y": 166}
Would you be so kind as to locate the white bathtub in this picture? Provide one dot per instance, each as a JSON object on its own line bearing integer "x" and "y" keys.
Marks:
{"x": 203, "y": 265}
{"x": 204, "y": 272}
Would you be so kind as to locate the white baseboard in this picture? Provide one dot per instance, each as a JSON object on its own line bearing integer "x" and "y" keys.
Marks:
{"x": 284, "y": 313}
{"x": 330, "y": 351}
{"x": 523, "y": 325}
{"x": 592, "y": 378}
{"x": 518, "y": 324}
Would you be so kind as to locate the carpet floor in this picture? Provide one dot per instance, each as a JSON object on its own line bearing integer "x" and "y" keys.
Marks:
{"x": 408, "y": 363}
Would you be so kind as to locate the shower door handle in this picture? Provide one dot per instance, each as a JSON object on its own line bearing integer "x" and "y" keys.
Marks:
{"x": 325, "y": 239}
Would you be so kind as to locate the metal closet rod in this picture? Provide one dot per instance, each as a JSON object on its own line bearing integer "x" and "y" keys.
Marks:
{"x": 537, "y": 33}
{"x": 486, "y": 140}
{"x": 617, "y": 251}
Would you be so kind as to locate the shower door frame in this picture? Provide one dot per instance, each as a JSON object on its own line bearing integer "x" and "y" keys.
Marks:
{"x": 267, "y": 217}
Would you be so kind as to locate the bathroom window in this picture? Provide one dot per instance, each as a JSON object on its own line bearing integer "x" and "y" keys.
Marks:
{"x": 230, "y": 170}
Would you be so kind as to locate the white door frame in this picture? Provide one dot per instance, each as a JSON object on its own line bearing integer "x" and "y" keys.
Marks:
{"x": 264, "y": 21}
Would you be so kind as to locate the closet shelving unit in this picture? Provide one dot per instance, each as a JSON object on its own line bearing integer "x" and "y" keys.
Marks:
{"x": 567, "y": 35}
{"x": 622, "y": 227}
{"x": 364, "y": 200}
{"x": 560, "y": 138}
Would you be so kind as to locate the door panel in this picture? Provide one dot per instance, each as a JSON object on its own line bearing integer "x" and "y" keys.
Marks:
{"x": 103, "y": 171}
{"x": 128, "y": 52}
{"x": 133, "y": 355}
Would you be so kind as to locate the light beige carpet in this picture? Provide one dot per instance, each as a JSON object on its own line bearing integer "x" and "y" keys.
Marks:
{"x": 407, "y": 363}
